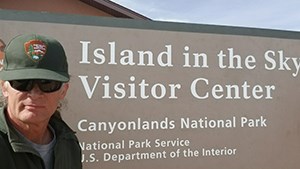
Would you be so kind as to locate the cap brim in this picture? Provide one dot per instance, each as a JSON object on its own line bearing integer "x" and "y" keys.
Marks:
{"x": 33, "y": 74}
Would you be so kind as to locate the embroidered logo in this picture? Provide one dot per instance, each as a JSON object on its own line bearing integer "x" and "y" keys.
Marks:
{"x": 35, "y": 49}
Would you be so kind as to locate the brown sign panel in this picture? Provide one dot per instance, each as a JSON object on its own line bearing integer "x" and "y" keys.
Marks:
{"x": 169, "y": 95}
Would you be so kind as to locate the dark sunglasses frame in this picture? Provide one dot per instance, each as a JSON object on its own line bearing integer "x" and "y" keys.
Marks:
{"x": 46, "y": 86}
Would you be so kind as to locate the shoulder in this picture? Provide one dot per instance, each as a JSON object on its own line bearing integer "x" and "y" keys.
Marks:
{"x": 5, "y": 147}
{"x": 4, "y": 141}
{"x": 3, "y": 125}
{"x": 61, "y": 128}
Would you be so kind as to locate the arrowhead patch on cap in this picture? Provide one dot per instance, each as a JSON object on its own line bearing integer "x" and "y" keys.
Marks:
{"x": 35, "y": 49}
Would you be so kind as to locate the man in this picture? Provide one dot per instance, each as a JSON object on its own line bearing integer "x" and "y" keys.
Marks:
{"x": 34, "y": 80}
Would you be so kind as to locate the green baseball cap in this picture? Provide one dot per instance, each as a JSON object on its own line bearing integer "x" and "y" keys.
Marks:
{"x": 34, "y": 56}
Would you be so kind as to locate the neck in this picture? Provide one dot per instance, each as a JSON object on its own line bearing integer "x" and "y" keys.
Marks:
{"x": 38, "y": 135}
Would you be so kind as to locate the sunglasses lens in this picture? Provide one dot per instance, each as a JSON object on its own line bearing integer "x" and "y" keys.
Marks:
{"x": 46, "y": 86}
{"x": 49, "y": 86}
{"x": 21, "y": 85}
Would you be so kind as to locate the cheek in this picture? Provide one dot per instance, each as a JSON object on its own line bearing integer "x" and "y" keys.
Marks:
{"x": 12, "y": 96}
{"x": 54, "y": 100}
{"x": 15, "y": 104}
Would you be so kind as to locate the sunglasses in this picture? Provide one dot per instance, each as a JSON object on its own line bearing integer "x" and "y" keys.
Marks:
{"x": 46, "y": 86}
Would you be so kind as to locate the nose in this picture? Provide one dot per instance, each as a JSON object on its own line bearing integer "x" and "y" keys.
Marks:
{"x": 35, "y": 91}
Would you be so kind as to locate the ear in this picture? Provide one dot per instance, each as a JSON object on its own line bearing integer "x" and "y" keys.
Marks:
{"x": 64, "y": 90}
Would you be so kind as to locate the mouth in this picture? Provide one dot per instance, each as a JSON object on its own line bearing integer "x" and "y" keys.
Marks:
{"x": 33, "y": 106}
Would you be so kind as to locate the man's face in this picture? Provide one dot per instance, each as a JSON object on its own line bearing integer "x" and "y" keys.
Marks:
{"x": 33, "y": 107}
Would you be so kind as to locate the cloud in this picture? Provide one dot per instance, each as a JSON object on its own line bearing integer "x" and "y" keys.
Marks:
{"x": 273, "y": 14}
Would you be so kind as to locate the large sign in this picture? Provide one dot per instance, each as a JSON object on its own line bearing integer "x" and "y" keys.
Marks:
{"x": 150, "y": 94}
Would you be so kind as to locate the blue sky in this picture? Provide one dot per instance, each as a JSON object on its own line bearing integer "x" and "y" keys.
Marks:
{"x": 271, "y": 14}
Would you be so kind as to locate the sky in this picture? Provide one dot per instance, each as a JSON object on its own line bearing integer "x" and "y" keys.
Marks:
{"x": 269, "y": 14}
